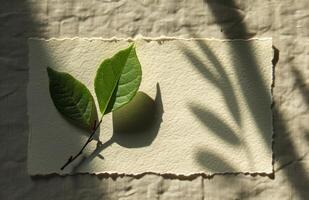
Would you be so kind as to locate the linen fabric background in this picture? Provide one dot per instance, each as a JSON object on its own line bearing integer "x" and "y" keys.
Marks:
{"x": 285, "y": 21}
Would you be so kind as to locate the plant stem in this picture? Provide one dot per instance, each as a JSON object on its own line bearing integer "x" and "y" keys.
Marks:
{"x": 72, "y": 158}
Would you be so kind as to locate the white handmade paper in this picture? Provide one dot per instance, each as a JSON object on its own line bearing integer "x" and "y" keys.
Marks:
{"x": 205, "y": 108}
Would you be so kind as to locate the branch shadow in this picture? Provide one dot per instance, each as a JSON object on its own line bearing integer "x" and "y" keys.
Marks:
{"x": 215, "y": 124}
{"x": 223, "y": 83}
{"x": 235, "y": 28}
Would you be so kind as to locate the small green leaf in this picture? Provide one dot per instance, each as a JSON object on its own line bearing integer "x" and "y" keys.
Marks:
{"x": 72, "y": 99}
{"x": 117, "y": 80}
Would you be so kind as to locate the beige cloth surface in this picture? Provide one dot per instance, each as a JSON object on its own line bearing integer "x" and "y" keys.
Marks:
{"x": 285, "y": 21}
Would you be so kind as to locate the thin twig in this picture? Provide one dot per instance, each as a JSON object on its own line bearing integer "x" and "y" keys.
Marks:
{"x": 72, "y": 158}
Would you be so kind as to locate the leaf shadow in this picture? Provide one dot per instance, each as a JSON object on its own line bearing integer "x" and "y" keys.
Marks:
{"x": 223, "y": 83}
{"x": 138, "y": 124}
{"x": 302, "y": 86}
{"x": 242, "y": 55}
{"x": 135, "y": 125}
{"x": 215, "y": 124}
{"x": 231, "y": 19}
{"x": 213, "y": 162}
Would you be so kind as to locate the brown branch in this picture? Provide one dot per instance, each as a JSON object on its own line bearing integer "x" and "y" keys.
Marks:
{"x": 72, "y": 158}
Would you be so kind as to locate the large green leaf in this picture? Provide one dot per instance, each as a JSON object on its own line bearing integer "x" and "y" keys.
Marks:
{"x": 117, "y": 80}
{"x": 72, "y": 99}
{"x": 128, "y": 83}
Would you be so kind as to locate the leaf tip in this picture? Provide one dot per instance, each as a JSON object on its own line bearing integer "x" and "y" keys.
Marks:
{"x": 50, "y": 71}
{"x": 132, "y": 46}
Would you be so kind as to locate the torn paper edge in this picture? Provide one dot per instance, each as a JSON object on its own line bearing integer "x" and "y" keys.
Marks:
{"x": 130, "y": 39}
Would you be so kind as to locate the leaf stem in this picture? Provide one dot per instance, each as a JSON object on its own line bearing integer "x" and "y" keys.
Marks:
{"x": 72, "y": 158}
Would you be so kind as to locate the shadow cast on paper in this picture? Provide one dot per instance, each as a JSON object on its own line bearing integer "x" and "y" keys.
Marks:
{"x": 223, "y": 83}
{"x": 247, "y": 74}
{"x": 231, "y": 19}
{"x": 213, "y": 162}
{"x": 135, "y": 125}
{"x": 215, "y": 124}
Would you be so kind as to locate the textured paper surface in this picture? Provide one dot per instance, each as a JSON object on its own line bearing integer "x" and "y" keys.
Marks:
{"x": 202, "y": 123}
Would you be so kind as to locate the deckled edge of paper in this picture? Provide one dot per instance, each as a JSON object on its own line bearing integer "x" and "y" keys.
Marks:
{"x": 187, "y": 176}
{"x": 130, "y": 39}
{"x": 165, "y": 175}
{"x": 272, "y": 104}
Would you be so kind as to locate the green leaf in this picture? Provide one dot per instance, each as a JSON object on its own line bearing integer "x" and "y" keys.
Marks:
{"x": 128, "y": 83}
{"x": 72, "y": 99}
{"x": 117, "y": 80}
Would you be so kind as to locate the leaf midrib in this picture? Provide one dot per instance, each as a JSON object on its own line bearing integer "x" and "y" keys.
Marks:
{"x": 115, "y": 85}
